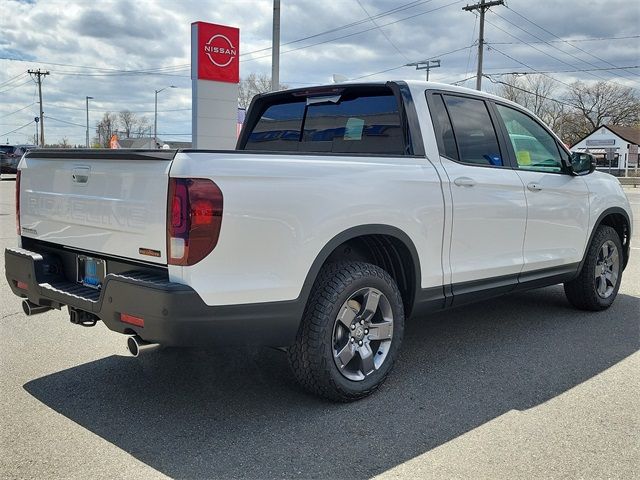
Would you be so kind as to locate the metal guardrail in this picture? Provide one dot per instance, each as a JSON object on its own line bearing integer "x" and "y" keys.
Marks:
{"x": 635, "y": 181}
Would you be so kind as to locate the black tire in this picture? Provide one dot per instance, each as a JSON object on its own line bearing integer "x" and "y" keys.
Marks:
{"x": 582, "y": 291}
{"x": 312, "y": 355}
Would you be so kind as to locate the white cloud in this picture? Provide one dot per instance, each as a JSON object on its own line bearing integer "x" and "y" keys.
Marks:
{"x": 147, "y": 34}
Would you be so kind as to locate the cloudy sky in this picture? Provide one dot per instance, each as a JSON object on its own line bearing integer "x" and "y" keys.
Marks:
{"x": 120, "y": 51}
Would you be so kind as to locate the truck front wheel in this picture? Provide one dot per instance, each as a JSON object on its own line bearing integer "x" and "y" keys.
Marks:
{"x": 350, "y": 333}
{"x": 597, "y": 285}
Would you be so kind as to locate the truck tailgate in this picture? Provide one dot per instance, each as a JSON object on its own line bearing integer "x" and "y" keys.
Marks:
{"x": 105, "y": 201}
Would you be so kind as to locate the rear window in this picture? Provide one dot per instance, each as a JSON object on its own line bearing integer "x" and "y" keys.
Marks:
{"x": 354, "y": 122}
{"x": 7, "y": 148}
{"x": 278, "y": 128}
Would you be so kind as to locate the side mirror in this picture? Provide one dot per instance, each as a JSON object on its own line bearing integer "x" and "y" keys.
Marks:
{"x": 582, "y": 163}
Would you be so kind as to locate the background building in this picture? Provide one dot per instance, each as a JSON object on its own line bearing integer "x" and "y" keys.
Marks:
{"x": 615, "y": 148}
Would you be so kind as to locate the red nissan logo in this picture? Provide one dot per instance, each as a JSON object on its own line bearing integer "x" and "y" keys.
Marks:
{"x": 220, "y": 50}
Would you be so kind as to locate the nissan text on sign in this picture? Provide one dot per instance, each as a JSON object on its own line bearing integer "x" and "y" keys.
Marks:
{"x": 215, "y": 73}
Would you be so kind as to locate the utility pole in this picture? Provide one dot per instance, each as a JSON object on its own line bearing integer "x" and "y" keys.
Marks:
{"x": 482, "y": 7}
{"x": 87, "y": 99}
{"x": 425, "y": 65}
{"x": 37, "y": 76}
{"x": 275, "y": 48}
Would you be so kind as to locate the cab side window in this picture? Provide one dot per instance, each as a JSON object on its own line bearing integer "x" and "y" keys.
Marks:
{"x": 534, "y": 147}
{"x": 474, "y": 131}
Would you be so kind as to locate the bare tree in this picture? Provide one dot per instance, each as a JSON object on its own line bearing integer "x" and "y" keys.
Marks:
{"x": 535, "y": 92}
{"x": 582, "y": 109}
{"x": 142, "y": 128}
{"x": 128, "y": 120}
{"x": 604, "y": 103}
{"x": 132, "y": 125}
{"x": 106, "y": 128}
{"x": 252, "y": 85}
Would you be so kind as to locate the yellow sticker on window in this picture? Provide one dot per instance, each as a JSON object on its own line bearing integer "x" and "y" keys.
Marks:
{"x": 524, "y": 157}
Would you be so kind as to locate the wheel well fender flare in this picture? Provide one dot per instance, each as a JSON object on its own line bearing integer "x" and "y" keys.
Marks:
{"x": 349, "y": 234}
{"x": 601, "y": 217}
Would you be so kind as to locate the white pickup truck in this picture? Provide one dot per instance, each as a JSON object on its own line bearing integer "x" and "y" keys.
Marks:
{"x": 344, "y": 210}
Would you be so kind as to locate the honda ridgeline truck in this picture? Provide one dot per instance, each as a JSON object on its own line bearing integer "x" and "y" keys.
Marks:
{"x": 344, "y": 210}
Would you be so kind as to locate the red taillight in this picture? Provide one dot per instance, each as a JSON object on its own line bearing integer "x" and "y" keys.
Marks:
{"x": 22, "y": 285}
{"x": 131, "y": 320}
{"x": 194, "y": 218}
{"x": 18, "y": 203}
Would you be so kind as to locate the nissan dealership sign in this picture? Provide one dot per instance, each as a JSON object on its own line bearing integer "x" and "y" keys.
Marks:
{"x": 218, "y": 52}
{"x": 215, "y": 73}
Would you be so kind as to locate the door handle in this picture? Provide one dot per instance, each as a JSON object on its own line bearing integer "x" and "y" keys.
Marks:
{"x": 534, "y": 187}
{"x": 464, "y": 182}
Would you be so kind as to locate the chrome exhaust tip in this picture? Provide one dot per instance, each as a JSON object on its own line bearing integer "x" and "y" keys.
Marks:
{"x": 136, "y": 346}
{"x": 29, "y": 308}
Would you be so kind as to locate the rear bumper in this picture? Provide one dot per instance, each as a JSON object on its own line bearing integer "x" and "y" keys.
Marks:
{"x": 173, "y": 313}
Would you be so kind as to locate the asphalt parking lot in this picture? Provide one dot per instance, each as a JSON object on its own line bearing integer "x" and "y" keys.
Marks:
{"x": 523, "y": 386}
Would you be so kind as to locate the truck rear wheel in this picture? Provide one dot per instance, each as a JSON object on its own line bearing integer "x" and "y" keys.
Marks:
{"x": 596, "y": 287}
{"x": 350, "y": 333}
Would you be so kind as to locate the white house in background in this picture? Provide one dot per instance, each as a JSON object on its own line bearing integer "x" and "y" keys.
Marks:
{"x": 620, "y": 142}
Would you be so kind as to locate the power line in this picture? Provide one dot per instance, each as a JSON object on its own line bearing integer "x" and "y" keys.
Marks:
{"x": 12, "y": 79}
{"x": 552, "y": 46}
{"x": 80, "y": 74}
{"x": 566, "y": 41}
{"x": 64, "y": 121}
{"x": 19, "y": 128}
{"x": 16, "y": 111}
{"x": 528, "y": 66}
{"x": 186, "y": 66}
{"x": 132, "y": 111}
{"x": 400, "y": 8}
{"x": 473, "y": 35}
{"x": 571, "y": 41}
{"x": 527, "y": 91}
{"x": 382, "y": 32}
{"x": 404, "y": 65}
{"x": 539, "y": 50}
{"x": 147, "y": 70}
{"x": 561, "y": 71}
{"x": 15, "y": 86}
{"x": 355, "y": 33}
{"x": 463, "y": 80}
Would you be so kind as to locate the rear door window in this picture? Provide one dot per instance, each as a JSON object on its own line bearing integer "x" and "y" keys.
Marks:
{"x": 474, "y": 131}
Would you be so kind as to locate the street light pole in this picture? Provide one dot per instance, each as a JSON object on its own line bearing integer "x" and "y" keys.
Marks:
{"x": 155, "y": 117}
{"x": 87, "y": 100}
